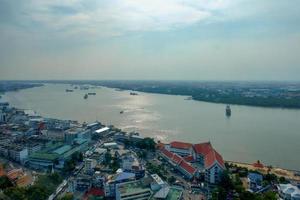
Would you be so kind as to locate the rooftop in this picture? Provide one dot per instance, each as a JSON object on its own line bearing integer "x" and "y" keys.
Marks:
{"x": 44, "y": 156}
{"x": 134, "y": 187}
{"x": 290, "y": 189}
{"x": 102, "y": 130}
{"x": 180, "y": 145}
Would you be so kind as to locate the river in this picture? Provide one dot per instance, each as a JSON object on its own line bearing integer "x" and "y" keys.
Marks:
{"x": 270, "y": 135}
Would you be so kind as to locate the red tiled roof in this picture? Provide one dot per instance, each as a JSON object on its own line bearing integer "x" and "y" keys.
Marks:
{"x": 180, "y": 145}
{"x": 189, "y": 158}
{"x": 187, "y": 167}
{"x": 160, "y": 145}
{"x": 203, "y": 148}
{"x": 212, "y": 157}
{"x": 14, "y": 174}
{"x": 177, "y": 159}
{"x": 167, "y": 153}
{"x": 258, "y": 165}
{"x": 94, "y": 192}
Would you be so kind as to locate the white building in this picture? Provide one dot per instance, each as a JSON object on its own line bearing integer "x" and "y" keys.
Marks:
{"x": 288, "y": 192}
{"x": 111, "y": 145}
{"x": 89, "y": 164}
{"x": 157, "y": 183}
{"x": 19, "y": 154}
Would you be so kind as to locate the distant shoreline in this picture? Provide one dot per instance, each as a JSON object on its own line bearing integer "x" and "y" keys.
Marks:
{"x": 217, "y": 101}
{"x": 278, "y": 95}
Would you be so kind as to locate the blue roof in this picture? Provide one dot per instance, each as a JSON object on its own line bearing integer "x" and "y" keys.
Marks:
{"x": 124, "y": 176}
{"x": 255, "y": 177}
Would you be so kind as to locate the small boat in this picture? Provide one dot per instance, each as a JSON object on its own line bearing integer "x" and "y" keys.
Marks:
{"x": 133, "y": 93}
{"x": 86, "y": 96}
{"x": 121, "y": 112}
{"x": 92, "y": 93}
{"x": 68, "y": 90}
{"x": 228, "y": 111}
{"x": 189, "y": 98}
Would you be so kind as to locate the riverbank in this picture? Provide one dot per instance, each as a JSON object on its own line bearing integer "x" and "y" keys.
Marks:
{"x": 7, "y": 86}
{"x": 292, "y": 175}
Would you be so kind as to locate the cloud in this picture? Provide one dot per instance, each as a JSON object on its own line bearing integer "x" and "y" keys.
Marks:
{"x": 114, "y": 17}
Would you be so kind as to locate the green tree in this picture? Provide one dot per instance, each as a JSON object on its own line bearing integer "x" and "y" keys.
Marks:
{"x": 171, "y": 180}
{"x": 37, "y": 192}
{"x": 219, "y": 194}
{"x": 226, "y": 181}
{"x": 67, "y": 196}
{"x": 142, "y": 154}
{"x": 5, "y": 182}
{"x": 15, "y": 193}
{"x": 270, "y": 196}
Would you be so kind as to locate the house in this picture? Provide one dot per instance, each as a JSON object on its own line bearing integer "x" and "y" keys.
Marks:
{"x": 130, "y": 163}
{"x": 254, "y": 181}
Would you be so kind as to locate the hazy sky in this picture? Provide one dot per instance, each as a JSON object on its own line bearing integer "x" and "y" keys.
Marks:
{"x": 150, "y": 39}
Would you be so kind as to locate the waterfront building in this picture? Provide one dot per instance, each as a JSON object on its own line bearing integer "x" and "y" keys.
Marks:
{"x": 212, "y": 162}
{"x": 102, "y": 131}
{"x": 194, "y": 159}
{"x": 180, "y": 148}
{"x": 94, "y": 126}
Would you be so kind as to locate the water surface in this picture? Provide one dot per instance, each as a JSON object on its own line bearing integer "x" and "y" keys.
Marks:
{"x": 250, "y": 134}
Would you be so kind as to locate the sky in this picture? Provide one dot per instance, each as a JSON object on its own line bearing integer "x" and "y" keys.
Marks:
{"x": 150, "y": 39}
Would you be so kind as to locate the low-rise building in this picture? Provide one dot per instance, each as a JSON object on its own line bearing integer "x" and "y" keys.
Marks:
{"x": 89, "y": 165}
{"x": 254, "y": 181}
{"x": 288, "y": 192}
{"x": 120, "y": 177}
{"x": 18, "y": 153}
{"x": 134, "y": 190}
{"x": 111, "y": 145}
